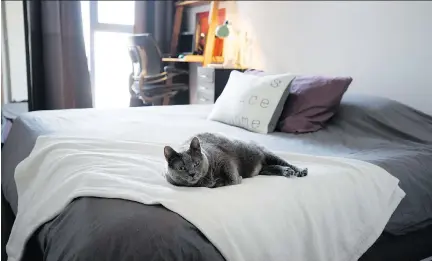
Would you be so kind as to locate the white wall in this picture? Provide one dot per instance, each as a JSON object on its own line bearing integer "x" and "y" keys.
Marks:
{"x": 15, "y": 42}
{"x": 385, "y": 46}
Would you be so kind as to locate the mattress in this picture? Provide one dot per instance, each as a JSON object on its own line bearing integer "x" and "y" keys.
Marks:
{"x": 380, "y": 131}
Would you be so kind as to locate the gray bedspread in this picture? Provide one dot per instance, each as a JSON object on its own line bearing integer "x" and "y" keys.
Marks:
{"x": 383, "y": 132}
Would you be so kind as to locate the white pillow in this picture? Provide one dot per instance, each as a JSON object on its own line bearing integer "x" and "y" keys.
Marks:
{"x": 252, "y": 102}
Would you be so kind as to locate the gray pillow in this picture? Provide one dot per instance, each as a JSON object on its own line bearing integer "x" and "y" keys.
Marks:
{"x": 312, "y": 102}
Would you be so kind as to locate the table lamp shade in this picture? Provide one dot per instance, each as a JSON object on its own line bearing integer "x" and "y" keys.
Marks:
{"x": 222, "y": 31}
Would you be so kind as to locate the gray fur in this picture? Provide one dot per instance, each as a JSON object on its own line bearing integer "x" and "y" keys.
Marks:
{"x": 211, "y": 160}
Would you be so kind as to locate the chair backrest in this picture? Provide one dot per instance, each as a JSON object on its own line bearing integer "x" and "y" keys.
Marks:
{"x": 144, "y": 49}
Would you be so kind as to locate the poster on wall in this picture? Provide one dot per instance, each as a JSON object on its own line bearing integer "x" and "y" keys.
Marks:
{"x": 201, "y": 30}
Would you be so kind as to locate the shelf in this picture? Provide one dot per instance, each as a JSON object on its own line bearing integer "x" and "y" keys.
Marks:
{"x": 191, "y": 3}
{"x": 193, "y": 59}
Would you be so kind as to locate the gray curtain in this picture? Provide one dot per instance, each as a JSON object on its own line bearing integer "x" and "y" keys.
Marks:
{"x": 58, "y": 72}
{"x": 156, "y": 18}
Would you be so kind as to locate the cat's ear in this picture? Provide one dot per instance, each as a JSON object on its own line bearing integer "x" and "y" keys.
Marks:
{"x": 169, "y": 153}
{"x": 195, "y": 144}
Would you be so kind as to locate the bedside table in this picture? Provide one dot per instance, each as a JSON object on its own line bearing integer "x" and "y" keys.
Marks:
{"x": 210, "y": 83}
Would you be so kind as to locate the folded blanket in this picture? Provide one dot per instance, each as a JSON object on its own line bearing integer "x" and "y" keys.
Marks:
{"x": 335, "y": 213}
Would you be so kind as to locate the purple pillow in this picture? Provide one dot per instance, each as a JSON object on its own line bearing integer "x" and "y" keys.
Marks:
{"x": 312, "y": 101}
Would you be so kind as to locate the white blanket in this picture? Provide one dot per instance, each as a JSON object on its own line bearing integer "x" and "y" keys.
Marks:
{"x": 335, "y": 213}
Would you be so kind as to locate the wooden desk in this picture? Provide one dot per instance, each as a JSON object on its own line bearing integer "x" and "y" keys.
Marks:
{"x": 193, "y": 59}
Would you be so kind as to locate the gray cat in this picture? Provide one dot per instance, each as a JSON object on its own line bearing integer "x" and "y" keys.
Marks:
{"x": 210, "y": 160}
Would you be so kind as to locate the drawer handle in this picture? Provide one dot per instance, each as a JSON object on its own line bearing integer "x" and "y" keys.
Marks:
{"x": 203, "y": 99}
{"x": 204, "y": 76}
{"x": 203, "y": 88}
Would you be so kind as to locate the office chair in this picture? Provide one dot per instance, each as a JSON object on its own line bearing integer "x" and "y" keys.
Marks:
{"x": 149, "y": 81}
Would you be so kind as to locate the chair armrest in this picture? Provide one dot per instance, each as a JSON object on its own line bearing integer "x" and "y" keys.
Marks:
{"x": 173, "y": 70}
{"x": 149, "y": 77}
{"x": 156, "y": 80}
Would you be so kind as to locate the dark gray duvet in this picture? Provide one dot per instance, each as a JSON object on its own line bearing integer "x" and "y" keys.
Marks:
{"x": 383, "y": 132}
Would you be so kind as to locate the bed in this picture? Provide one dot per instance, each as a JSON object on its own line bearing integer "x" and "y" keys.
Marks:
{"x": 376, "y": 130}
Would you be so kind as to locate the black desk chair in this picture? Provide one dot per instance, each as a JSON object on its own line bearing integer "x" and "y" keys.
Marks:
{"x": 150, "y": 82}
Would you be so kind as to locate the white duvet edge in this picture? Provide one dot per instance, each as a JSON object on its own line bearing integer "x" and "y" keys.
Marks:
{"x": 372, "y": 233}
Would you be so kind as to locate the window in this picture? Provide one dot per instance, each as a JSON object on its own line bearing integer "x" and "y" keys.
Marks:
{"x": 106, "y": 25}
{"x": 116, "y": 12}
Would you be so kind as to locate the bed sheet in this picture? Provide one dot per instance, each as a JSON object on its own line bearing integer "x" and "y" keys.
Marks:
{"x": 388, "y": 134}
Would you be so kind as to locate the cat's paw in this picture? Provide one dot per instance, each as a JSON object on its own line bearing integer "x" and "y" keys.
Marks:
{"x": 289, "y": 172}
{"x": 303, "y": 173}
{"x": 237, "y": 181}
